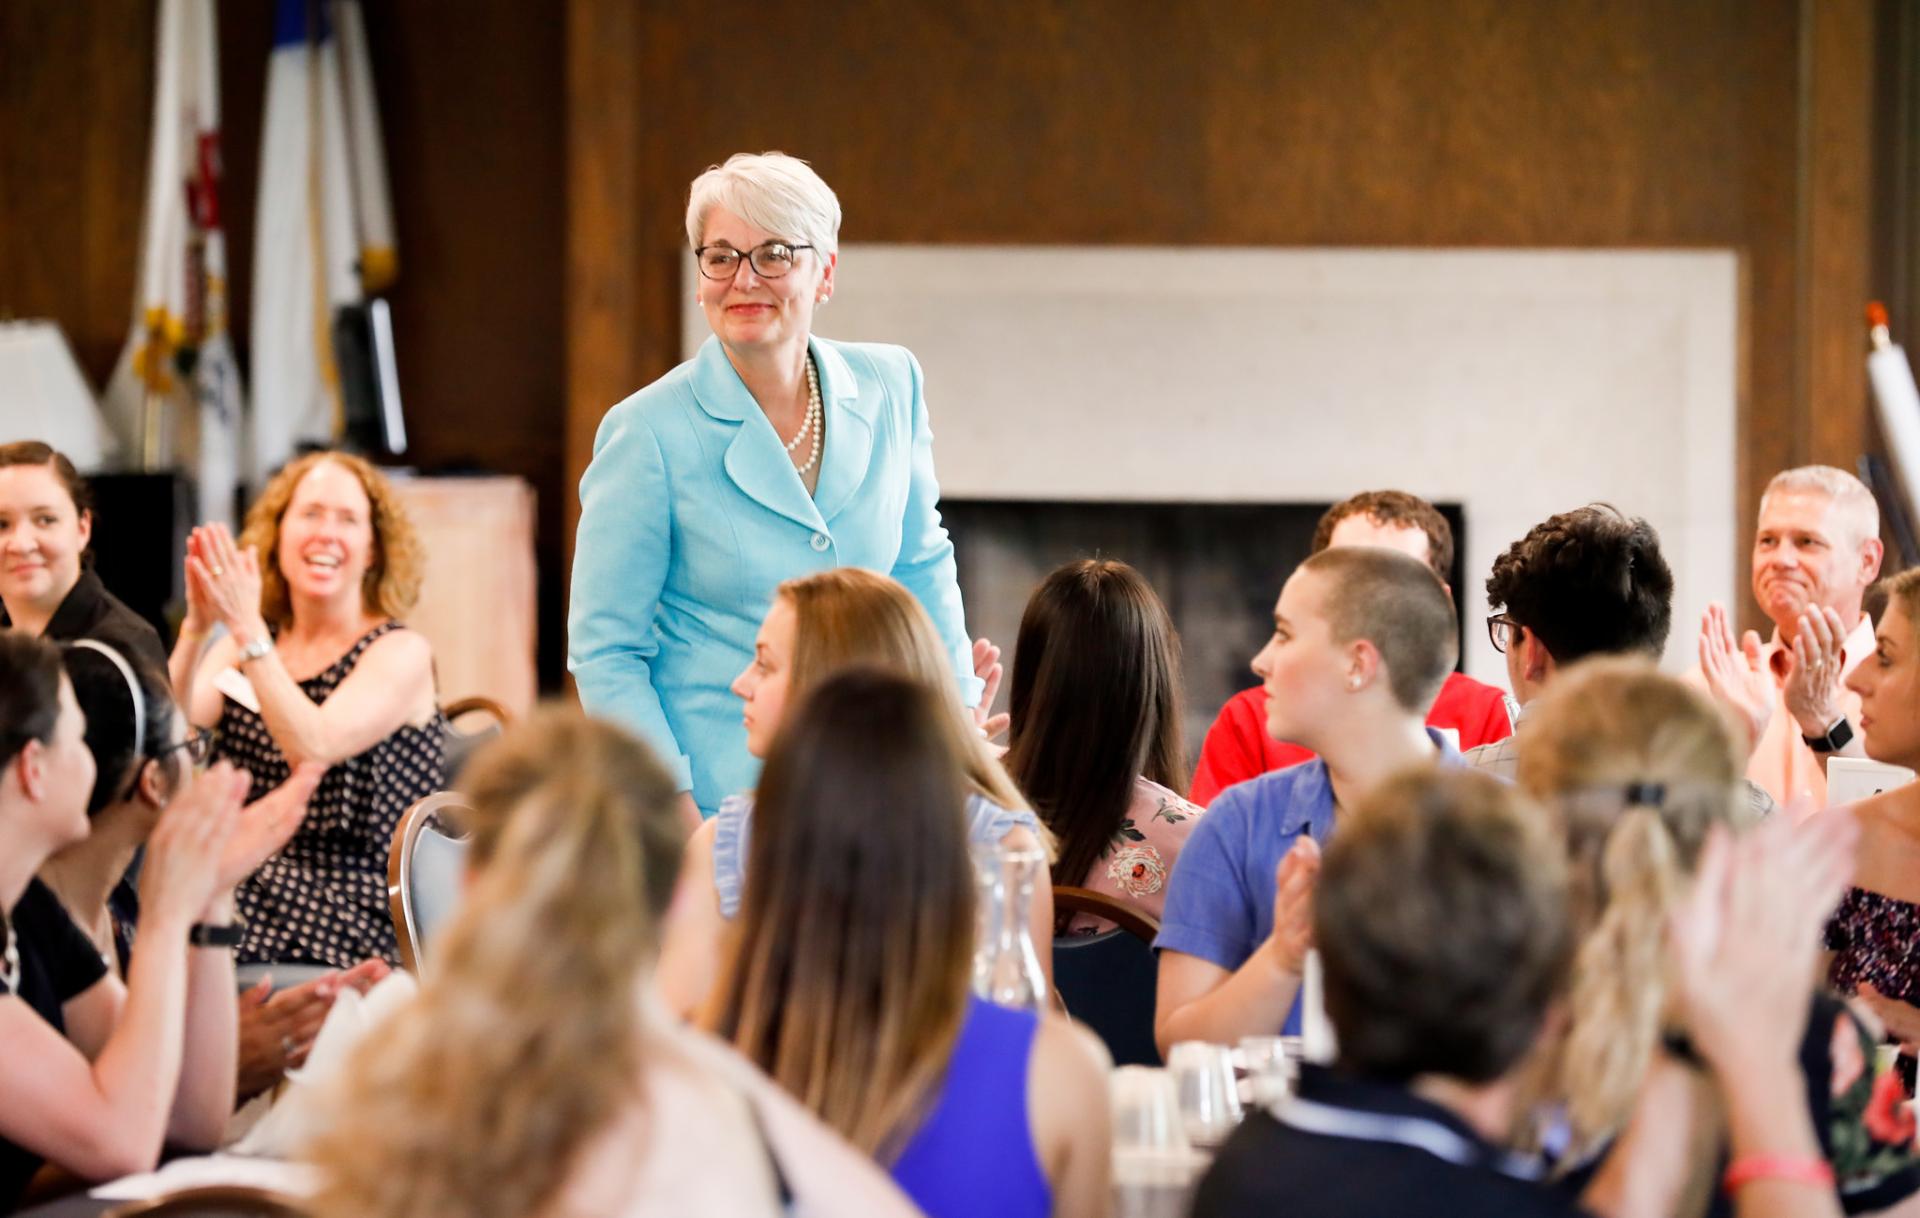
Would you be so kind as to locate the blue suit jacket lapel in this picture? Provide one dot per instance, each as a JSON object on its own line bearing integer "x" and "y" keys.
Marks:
{"x": 849, "y": 445}
{"x": 756, "y": 460}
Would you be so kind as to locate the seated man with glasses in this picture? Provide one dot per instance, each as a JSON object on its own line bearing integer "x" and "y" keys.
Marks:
{"x": 1583, "y": 583}
{"x": 1237, "y": 746}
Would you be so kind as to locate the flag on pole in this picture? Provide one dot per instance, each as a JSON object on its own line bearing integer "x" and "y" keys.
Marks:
{"x": 306, "y": 244}
{"x": 217, "y": 390}
{"x": 175, "y": 398}
{"x": 373, "y": 201}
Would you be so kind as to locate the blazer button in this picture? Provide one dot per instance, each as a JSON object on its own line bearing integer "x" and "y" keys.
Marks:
{"x": 820, "y": 542}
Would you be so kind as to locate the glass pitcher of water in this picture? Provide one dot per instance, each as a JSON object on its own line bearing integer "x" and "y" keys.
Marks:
{"x": 1006, "y": 966}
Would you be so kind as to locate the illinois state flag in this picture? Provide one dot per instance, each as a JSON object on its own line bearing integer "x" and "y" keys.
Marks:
{"x": 175, "y": 397}
{"x": 307, "y": 235}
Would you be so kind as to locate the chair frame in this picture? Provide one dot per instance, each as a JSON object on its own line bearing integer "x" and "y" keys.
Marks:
{"x": 220, "y": 1197}
{"x": 1069, "y": 899}
{"x": 400, "y": 867}
{"x": 478, "y": 702}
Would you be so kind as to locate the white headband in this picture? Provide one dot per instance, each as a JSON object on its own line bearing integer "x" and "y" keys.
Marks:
{"x": 133, "y": 688}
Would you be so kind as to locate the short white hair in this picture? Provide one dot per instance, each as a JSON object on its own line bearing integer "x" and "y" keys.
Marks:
{"x": 1858, "y": 509}
{"x": 772, "y": 191}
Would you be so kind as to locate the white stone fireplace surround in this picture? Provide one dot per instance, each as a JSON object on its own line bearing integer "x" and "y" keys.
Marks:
{"x": 1516, "y": 383}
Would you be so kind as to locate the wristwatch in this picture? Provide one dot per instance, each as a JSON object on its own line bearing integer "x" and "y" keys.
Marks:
{"x": 208, "y": 934}
{"x": 256, "y": 649}
{"x": 1836, "y": 738}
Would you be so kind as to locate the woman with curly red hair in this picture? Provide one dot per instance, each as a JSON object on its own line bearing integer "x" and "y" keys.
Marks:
{"x": 316, "y": 666}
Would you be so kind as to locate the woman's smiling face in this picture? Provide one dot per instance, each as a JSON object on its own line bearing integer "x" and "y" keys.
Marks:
{"x": 748, "y": 310}
{"x": 326, "y": 535}
{"x": 43, "y": 533}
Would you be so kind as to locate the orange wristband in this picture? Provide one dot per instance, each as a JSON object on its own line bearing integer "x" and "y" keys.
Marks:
{"x": 1750, "y": 1168}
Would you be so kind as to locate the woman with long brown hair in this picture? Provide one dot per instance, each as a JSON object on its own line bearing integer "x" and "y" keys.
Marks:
{"x": 1641, "y": 769}
{"x": 534, "y": 1075}
{"x": 848, "y": 969}
{"x": 1095, "y": 741}
{"x": 818, "y": 626}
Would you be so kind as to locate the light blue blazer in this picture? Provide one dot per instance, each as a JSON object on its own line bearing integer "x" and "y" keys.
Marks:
{"x": 691, "y": 512}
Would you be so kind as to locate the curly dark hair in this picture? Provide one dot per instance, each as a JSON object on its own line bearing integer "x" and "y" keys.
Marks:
{"x": 1587, "y": 582}
{"x": 1394, "y": 508}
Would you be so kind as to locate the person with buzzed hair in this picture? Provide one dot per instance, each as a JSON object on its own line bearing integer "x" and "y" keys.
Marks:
{"x": 1816, "y": 551}
{"x": 1363, "y": 638}
{"x": 1237, "y": 746}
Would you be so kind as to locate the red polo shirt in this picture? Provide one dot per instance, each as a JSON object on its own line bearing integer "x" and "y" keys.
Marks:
{"x": 1238, "y": 748}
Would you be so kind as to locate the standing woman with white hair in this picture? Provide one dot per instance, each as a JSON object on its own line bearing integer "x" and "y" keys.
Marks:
{"x": 770, "y": 455}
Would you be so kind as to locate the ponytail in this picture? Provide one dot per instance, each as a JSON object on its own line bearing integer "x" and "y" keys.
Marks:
{"x": 1620, "y": 981}
{"x": 526, "y": 1040}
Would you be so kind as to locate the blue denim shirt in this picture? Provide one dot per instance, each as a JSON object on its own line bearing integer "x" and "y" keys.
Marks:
{"x": 1220, "y": 897}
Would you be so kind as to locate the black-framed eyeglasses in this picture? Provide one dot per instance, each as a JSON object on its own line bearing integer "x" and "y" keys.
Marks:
{"x": 1500, "y": 628}
{"x": 198, "y": 744}
{"x": 770, "y": 259}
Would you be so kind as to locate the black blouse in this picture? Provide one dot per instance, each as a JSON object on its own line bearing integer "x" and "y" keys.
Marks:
{"x": 91, "y": 612}
{"x": 58, "y": 963}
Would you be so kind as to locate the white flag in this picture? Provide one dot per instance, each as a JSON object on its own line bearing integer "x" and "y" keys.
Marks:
{"x": 305, "y": 244}
{"x": 175, "y": 396}
{"x": 216, "y": 375}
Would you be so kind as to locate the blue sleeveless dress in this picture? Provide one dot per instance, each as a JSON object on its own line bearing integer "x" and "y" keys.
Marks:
{"x": 974, "y": 1153}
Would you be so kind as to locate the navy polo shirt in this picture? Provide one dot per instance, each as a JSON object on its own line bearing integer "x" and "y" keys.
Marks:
{"x": 1353, "y": 1148}
{"x": 1219, "y": 904}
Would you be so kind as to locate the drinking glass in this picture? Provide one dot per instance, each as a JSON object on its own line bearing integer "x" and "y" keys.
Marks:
{"x": 1209, "y": 1097}
{"x": 1146, "y": 1110}
{"x": 1269, "y": 1068}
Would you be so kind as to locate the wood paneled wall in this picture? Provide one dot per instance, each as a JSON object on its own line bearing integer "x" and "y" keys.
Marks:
{"x": 473, "y": 108}
{"x": 1422, "y": 122}
{"x": 540, "y": 155}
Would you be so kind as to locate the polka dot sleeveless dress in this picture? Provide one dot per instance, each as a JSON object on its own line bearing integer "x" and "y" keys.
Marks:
{"x": 323, "y": 898}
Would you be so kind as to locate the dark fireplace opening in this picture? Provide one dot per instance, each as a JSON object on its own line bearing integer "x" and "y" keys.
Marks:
{"x": 1217, "y": 566}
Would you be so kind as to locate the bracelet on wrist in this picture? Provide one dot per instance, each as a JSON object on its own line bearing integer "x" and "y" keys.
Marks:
{"x": 1788, "y": 1169}
{"x": 208, "y": 934}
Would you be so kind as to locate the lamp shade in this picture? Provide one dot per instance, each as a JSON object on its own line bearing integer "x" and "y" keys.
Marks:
{"x": 43, "y": 395}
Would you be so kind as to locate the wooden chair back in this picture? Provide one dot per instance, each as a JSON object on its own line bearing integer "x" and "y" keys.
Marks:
{"x": 463, "y": 741}
{"x": 224, "y": 1199}
{"x": 1108, "y": 980}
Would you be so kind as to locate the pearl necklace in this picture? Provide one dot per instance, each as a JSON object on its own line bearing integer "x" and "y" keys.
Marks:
{"x": 11, "y": 972}
{"x": 815, "y": 421}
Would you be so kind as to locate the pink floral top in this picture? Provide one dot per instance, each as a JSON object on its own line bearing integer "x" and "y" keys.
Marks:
{"x": 1136, "y": 865}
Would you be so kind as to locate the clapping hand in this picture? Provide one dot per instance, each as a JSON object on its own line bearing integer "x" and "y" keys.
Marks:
{"x": 268, "y": 823}
{"x": 277, "y": 1028}
{"x": 986, "y": 666}
{"x": 1294, "y": 881}
{"x": 1813, "y": 688}
{"x": 1736, "y": 673}
{"x": 183, "y": 872}
{"x": 1745, "y": 941}
{"x": 225, "y": 580}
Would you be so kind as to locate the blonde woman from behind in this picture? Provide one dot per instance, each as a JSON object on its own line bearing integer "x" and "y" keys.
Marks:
{"x": 1641, "y": 769}
{"x": 536, "y": 1075}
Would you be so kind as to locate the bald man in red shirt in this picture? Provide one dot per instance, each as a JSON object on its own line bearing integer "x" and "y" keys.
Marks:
{"x": 1237, "y": 746}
